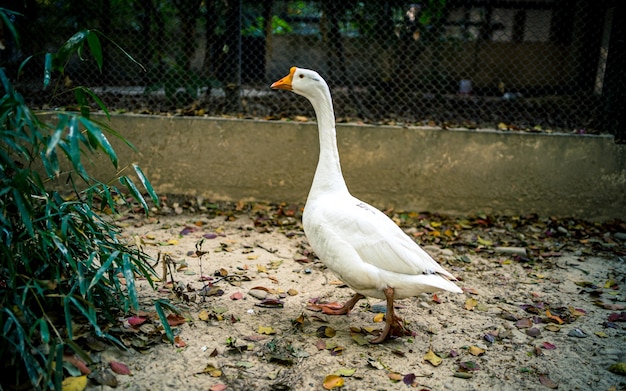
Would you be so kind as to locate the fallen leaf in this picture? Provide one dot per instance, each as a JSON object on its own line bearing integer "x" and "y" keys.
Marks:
{"x": 346, "y": 372}
{"x": 554, "y": 318}
{"x": 178, "y": 342}
{"x": 333, "y": 381}
{"x": 119, "y": 368}
{"x": 409, "y": 379}
{"x": 203, "y": 315}
{"x": 436, "y": 298}
{"x": 212, "y": 371}
{"x": 379, "y": 318}
{"x": 74, "y": 383}
{"x": 175, "y": 319}
{"x": 326, "y": 332}
{"x": 267, "y": 330}
{"x": 394, "y": 376}
{"x": 432, "y": 358}
{"x": 619, "y": 368}
{"x": 524, "y": 323}
{"x": 236, "y": 296}
{"x": 78, "y": 363}
{"x": 469, "y": 366}
{"x": 136, "y": 320}
{"x": 553, "y": 327}
{"x": 470, "y": 303}
{"x": 601, "y": 334}
{"x": 218, "y": 387}
{"x": 476, "y": 351}
{"x": 321, "y": 344}
{"x": 547, "y": 382}
{"x": 548, "y": 346}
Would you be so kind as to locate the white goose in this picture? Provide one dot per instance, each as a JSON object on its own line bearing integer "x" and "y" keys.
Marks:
{"x": 356, "y": 241}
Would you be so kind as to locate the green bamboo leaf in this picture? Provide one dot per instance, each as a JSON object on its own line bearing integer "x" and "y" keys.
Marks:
{"x": 71, "y": 46}
{"x": 129, "y": 275}
{"x": 106, "y": 267}
{"x": 24, "y": 209}
{"x": 158, "y": 305}
{"x": 134, "y": 192}
{"x": 22, "y": 65}
{"x": 56, "y": 136}
{"x": 6, "y": 21}
{"x": 98, "y": 101}
{"x": 82, "y": 102}
{"x": 146, "y": 184}
{"x": 94, "y": 131}
{"x": 124, "y": 51}
{"x": 95, "y": 47}
{"x": 47, "y": 70}
{"x": 73, "y": 150}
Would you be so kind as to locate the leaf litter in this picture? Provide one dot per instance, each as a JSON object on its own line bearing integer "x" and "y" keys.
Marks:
{"x": 555, "y": 276}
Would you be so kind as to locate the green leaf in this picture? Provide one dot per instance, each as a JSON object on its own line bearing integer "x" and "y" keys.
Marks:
{"x": 106, "y": 267}
{"x": 129, "y": 275}
{"x": 6, "y": 21}
{"x": 134, "y": 192}
{"x": 123, "y": 51}
{"x": 95, "y": 47}
{"x": 24, "y": 209}
{"x": 158, "y": 305}
{"x": 71, "y": 46}
{"x": 146, "y": 184}
{"x": 47, "y": 70}
{"x": 98, "y": 101}
{"x": 95, "y": 132}
{"x": 73, "y": 149}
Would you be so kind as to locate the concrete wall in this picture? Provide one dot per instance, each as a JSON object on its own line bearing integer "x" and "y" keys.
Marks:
{"x": 448, "y": 171}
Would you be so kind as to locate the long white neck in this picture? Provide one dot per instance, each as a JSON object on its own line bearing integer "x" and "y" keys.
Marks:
{"x": 328, "y": 177}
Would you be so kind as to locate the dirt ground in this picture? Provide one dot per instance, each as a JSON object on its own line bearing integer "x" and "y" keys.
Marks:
{"x": 545, "y": 314}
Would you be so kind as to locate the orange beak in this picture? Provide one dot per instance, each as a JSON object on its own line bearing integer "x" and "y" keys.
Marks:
{"x": 285, "y": 82}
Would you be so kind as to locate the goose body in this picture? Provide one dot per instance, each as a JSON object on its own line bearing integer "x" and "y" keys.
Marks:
{"x": 356, "y": 241}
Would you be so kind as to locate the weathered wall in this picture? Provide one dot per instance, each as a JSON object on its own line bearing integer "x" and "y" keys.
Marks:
{"x": 448, "y": 171}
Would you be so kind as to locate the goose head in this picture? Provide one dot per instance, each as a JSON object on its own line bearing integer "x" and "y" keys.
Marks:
{"x": 304, "y": 82}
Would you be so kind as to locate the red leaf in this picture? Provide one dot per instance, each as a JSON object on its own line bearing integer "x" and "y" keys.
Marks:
{"x": 175, "y": 320}
{"x": 119, "y": 368}
{"x": 179, "y": 343}
{"x": 136, "y": 320}
{"x": 236, "y": 296}
{"x": 78, "y": 363}
{"x": 218, "y": 387}
{"x": 546, "y": 381}
{"x": 548, "y": 346}
{"x": 436, "y": 298}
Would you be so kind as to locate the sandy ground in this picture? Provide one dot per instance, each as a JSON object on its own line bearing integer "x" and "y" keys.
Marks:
{"x": 519, "y": 325}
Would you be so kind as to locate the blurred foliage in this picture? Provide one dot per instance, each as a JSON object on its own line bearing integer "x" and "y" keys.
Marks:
{"x": 63, "y": 264}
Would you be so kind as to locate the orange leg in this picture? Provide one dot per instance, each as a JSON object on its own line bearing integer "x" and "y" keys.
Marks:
{"x": 343, "y": 309}
{"x": 393, "y": 324}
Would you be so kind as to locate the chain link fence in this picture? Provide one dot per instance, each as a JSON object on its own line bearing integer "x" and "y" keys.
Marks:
{"x": 533, "y": 65}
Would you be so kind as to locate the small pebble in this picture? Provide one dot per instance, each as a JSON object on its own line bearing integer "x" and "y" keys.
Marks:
{"x": 307, "y": 271}
{"x": 258, "y": 293}
{"x": 578, "y": 333}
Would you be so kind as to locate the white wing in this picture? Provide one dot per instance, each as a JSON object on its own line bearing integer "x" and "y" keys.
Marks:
{"x": 375, "y": 237}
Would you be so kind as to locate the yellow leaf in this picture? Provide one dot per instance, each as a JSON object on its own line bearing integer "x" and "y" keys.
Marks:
{"x": 502, "y": 126}
{"x": 554, "y": 317}
{"x": 78, "y": 383}
{"x": 601, "y": 334}
{"x": 476, "y": 351}
{"x": 379, "y": 318}
{"x": 252, "y": 257}
{"x": 333, "y": 381}
{"x": 172, "y": 242}
{"x": 261, "y": 269}
{"x": 203, "y": 315}
{"x": 609, "y": 283}
{"x": 575, "y": 312}
{"x": 292, "y": 292}
{"x": 470, "y": 303}
{"x": 432, "y": 358}
{"x": 484, "y": 242}
{"x": 268, "y": 330}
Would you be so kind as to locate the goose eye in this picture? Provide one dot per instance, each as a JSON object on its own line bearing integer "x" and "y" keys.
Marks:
{"x": 301, "y": 76}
